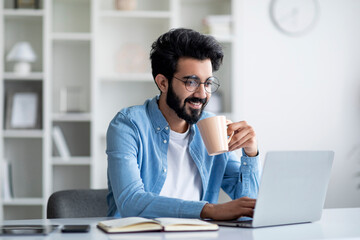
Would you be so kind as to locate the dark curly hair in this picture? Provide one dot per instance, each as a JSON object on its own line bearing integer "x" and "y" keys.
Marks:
{"x": 181, "y": 42}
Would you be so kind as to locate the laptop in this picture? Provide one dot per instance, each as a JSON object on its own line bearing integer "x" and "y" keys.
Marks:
{"x": 292, "y": 189}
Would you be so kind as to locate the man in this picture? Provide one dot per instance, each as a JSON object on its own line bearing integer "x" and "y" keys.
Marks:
{"x": 157, "y": 162}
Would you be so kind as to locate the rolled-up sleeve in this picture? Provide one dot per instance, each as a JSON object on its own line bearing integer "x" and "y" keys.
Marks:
{"x": 241, "y": 178}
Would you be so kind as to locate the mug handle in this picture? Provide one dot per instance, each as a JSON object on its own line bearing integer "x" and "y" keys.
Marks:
{"x": 232, "y": 134}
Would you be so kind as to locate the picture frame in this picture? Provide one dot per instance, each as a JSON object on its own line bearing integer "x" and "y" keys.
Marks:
{"x": 23, "y": 107}
{"x": 35, "y": 4}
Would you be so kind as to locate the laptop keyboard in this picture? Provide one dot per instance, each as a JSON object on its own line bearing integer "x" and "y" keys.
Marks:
{"x": 247, "y": 223}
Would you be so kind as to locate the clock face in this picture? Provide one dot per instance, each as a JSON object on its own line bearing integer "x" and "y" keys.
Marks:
{"x": 294, "y": 17}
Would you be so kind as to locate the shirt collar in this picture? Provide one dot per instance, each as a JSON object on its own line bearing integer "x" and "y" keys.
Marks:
{"x": 157, "y": 118}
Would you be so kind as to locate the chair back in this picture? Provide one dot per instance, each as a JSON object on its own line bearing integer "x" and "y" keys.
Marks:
{"x": 77, "y": 203}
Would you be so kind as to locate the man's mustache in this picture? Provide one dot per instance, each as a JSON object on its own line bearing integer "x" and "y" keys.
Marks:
{"x": 195, "y": 99}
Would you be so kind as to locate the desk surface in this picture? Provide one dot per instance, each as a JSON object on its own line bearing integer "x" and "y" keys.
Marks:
{"x": 335, "y": 224}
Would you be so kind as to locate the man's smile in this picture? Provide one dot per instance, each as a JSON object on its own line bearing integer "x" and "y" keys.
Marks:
{"x": 196, "y": 105}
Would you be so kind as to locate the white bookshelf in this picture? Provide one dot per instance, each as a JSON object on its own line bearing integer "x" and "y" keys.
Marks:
{"x": 90, "y": 45}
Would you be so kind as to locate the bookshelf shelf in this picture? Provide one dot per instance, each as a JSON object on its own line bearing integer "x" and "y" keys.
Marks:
{"x": 31, "y": 76}
{"x": 23, "y": 133}
{"x": 71, "y": 117}
{"x": 23, "y": 13}
{"x": 129, "y": 77}
{"x": 71, "y": 36}
{"x": 58, "y": 161}
{"x": 23, "y": 202}
{"x": 135, "y": 14}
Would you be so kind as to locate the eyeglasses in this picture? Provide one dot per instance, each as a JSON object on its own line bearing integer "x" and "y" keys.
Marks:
{"x": 192, "y": 83}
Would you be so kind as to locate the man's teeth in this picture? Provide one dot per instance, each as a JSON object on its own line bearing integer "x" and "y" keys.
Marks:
{"x": 196, "y": 103}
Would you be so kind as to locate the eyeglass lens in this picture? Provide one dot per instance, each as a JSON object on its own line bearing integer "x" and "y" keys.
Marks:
{"x": 211, "y": 84}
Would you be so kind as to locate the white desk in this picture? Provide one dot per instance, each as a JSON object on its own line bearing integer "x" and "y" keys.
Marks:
{"x": 334, "y": 224}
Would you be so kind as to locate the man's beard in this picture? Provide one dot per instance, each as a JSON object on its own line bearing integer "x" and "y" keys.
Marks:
{"x": 174, "y": 103}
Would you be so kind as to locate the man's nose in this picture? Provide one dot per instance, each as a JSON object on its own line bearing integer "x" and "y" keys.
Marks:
{"x": 200, "y": 91}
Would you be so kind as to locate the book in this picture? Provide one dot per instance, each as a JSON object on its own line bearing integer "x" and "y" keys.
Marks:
{"x": 60, "y": 143}
{"x": 6, "y": 180}
{"x": 140, "y": 224}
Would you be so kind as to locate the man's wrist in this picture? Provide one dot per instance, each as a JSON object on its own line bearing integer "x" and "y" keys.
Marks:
{"x": 251, "y": 153}
{"x": 206, "y": 211}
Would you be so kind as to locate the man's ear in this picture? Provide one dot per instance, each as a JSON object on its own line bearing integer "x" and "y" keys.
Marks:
{"x": 162, "y": 83}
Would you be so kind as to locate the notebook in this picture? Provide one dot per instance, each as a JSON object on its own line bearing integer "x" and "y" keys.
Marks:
{"x": 292, "y": 189}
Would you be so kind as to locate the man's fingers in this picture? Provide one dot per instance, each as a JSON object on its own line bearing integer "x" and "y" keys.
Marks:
{"x": 237, "y": 125}
{"x": 248, "y": 212}
{"x": 243, "y": 132}
{"x": 246, "y": 206}
{"x": 231, "y": 210}
{"x": 247, "y": 202}
{"x": 242, "y": 142}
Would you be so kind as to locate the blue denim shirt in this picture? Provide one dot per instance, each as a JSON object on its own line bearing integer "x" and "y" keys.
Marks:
{"x": 137, "y": 144}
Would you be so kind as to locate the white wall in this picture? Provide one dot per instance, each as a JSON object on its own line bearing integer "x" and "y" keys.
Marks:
{"x": 303, "y": 93}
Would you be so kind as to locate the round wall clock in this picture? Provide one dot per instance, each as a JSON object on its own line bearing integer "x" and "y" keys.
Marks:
{"x": 294, "y": 17}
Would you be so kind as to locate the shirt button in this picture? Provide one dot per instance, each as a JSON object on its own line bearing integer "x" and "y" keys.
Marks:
{"x": 164, "y": 170}
{"x": 167, "y": 128}
{"x": 244, "y": 163}
{"x": 165, "y": 141}
{"x": 158, "y": 129}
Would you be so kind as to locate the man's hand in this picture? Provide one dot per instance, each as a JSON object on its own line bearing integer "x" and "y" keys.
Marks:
{"x": 241, "y": 207}
{"x": 244, "y": 137}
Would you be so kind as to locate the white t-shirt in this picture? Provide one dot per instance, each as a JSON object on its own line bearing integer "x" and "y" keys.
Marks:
{"x": 183, "y": 178}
